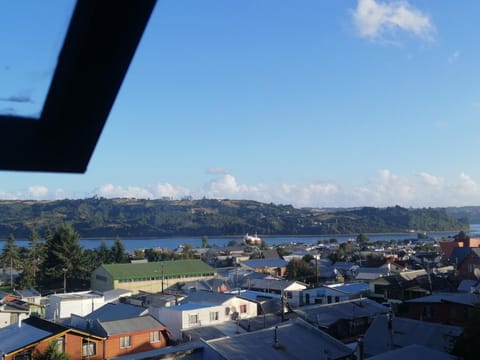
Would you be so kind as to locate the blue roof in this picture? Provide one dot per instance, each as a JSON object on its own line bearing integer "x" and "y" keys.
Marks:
{"x": 458, "y": 254}
{"x": 261, "y": 263}
{"x": 31, "y": 330}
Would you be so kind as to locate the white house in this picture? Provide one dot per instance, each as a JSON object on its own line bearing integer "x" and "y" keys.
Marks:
{"x": 204, "y": 308}
{"x": 187, "y": 316}
{"x": 61, "y": 306}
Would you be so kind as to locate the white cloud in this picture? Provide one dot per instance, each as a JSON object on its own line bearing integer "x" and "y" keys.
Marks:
{"x": 429, "y": 179}
{"x": 38, "y": 191}
{"x": 454, "y": 57}
{"x": 377, "y": 20}
{"x": 385, "y": 188}
{"x": 112, "y": 191}
{"x": 150, "y": 192}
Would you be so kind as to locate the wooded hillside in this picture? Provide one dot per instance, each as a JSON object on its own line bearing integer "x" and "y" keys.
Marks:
{"x": 99, "y": 217}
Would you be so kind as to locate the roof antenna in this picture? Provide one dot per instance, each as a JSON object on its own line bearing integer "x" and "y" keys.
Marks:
{"x": 276, "y": 344}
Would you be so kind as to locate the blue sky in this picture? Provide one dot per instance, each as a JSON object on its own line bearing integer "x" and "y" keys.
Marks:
{"x": 310, "y": 103}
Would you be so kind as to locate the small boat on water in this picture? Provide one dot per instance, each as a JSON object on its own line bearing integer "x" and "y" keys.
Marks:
{"x": 252, "y": 240}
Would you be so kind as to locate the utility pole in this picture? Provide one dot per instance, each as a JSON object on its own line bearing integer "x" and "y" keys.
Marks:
{"x": 64, "y": 280}
{"x": 162, "y": 276}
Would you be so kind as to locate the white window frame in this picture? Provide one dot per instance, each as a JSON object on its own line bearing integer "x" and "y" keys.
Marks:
{"x": 125, "y": 342}
{"x": 155, "y": 336}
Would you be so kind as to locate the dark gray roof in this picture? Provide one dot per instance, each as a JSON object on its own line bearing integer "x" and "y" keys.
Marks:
{"x": 125, "y": 326}
{"x": 413, "y": 352}
{"x": 27, "y": 293}
{"x": 296, "y": 340}
{"x": 110, "y": 312}
{"x": 326, "y": 315}
{"x": 457, "y": 298}
{"x": 406, "y": 332}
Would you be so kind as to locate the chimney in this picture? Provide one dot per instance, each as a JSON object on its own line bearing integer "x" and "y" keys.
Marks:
{"x": 360, "y": 348}
{"x": 276, "y": 344}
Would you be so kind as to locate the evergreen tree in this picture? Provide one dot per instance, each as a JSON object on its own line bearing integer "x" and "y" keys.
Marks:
{"x": 64, "y": 259}
{"x": 32, "y": 260}
{"x": 51, "y": 353}
{"x": 10, "y": 257}
{"x": 119, "y": 254}
{"x": 104, "y": 253}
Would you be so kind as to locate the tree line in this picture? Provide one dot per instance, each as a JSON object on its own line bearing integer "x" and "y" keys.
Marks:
{"x": 126, "y": 218}
{"x": 58, "y": 262}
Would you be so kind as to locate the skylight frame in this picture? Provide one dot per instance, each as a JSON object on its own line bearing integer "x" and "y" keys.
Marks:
{"x": 99, "y": 46}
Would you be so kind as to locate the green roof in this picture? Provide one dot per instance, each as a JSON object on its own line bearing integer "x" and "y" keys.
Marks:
{"x": 174, "y": 268}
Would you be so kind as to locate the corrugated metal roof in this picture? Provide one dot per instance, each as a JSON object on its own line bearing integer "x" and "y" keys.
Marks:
{"x": 457, "y": 298}
{"x": 155, "y": 269}
{"x": 406, "y": 332}
{"x": 413, "y": 352}
{"x": 296, "y": 340}
{"x": 209, "y": 297}
{"x": 110, "y": 312}
{"x": 325, "y": 315}
{"x": 131, "y": 325}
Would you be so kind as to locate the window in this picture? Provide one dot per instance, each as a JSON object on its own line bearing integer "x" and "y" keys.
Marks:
{"x": 427, "y": 311}
{"x": 155, "y": 336}
{"x": 101, "y": 277}
{"x": 89, "y": 348}
{"x": 60, "y": 344}
{"x": 27, "y": 355}
{"x": 125, "y": 342}
{"x": 213, "y": 315}
{"x": 192, "y": 319}
{"x": 243, "y": 309}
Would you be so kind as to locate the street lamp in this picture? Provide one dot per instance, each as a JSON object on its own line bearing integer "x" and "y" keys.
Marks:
{"x": 64, "y": 280}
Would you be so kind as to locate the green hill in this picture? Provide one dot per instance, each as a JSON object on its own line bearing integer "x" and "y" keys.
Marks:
{"x": 99, "y": 217}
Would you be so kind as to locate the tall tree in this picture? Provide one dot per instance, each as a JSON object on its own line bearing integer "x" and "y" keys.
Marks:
{"x": 64, "y": 258}
{"x": 10, "y": 257}
{"x": 32, "y": 261}
{"x": 204, "y": 241}
{"x": 297, "y": 269}
{"x": 104, "y": 253}
{"x": 119, "y": 254}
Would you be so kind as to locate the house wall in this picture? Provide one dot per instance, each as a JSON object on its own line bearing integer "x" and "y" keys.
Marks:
{"x": 140, "y": 341}
{"x": 443, "y": 313}
{"x": 73, "y": 347}
{"x": 322, "y": 295}
{"x": 60, "y": 307}
{"x": 172, "y": 319}
{"x": 465, "y": 269}
{"x": 101, "y": 280}
{"x": 6, "y": 318}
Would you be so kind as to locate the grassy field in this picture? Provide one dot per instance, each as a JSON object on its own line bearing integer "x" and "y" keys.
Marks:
{"x": 6, "y": 289}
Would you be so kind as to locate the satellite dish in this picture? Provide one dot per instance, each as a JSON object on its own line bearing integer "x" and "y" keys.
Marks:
{"x": 476, "y": 272}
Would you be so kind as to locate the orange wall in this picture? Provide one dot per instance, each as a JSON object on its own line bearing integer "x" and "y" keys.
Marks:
{"x": 73, "y": 347}
{"x": 140, "y": 342}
